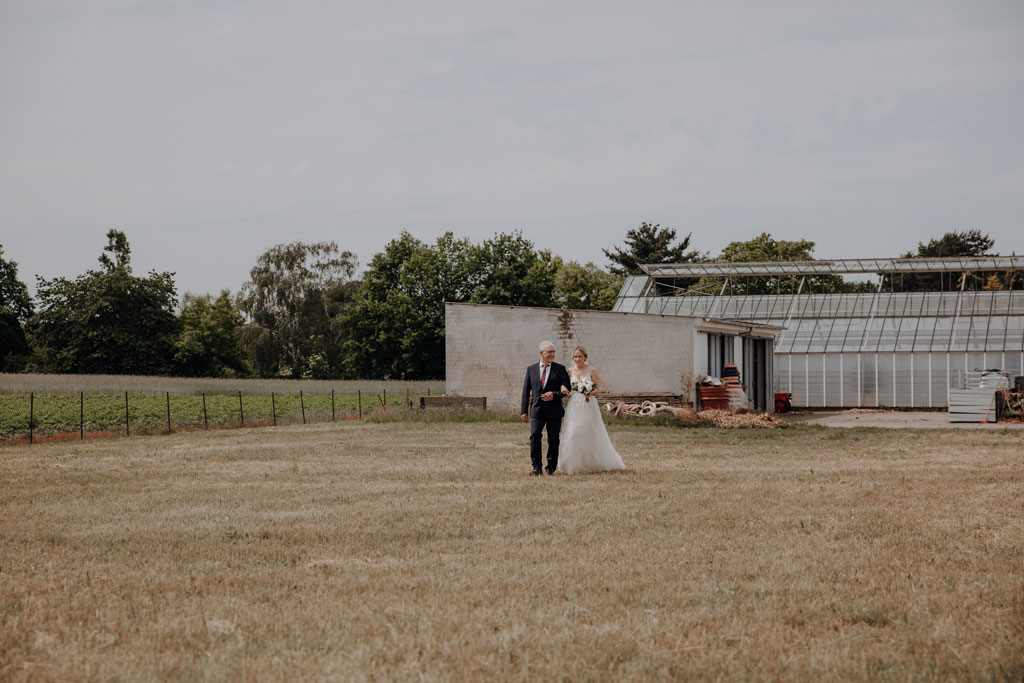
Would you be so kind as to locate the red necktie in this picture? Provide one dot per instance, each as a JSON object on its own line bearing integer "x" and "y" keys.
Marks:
{"x": 544, "y": 377}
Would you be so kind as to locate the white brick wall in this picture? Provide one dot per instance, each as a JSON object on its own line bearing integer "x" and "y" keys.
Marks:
{"x": 487, "y": 349}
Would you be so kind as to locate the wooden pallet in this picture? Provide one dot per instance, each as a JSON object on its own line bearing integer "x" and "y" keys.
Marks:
{"x": 726, "y": 397}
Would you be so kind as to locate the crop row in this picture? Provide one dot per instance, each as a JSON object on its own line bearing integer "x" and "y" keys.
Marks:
{"x": 63, "y": 413}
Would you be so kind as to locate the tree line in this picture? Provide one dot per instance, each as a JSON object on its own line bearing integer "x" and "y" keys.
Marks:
{"x": 304, "y": 312}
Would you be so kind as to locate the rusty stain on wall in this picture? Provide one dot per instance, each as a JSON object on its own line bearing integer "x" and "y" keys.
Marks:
{"x": 564, "y": 324}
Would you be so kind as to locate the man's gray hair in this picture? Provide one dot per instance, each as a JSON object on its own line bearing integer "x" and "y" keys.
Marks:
{"x": 545, "y": 344}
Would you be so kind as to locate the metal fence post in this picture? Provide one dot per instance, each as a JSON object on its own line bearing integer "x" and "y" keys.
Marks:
{"x": 127, "y": 428}
{"x": 302, "y": 405}
{"x": 332, "y": 406}
{"x": 273, "y": 407}
{"x": 359, "y": 398}
{"x": 206, "y": 422}
{"x": 168, "y": 412}
{"x": 241, "y": 413}
{"x": 81, "y": 415}
{"x": 31, "y": 416}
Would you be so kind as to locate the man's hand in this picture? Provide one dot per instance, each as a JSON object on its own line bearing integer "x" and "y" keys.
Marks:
{"x": 524, "y": 417}
{"x": 547, "y": 396}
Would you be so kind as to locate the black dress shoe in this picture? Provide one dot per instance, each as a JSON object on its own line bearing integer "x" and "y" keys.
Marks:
{"x": 536, "y": 472}
{"x": 549, "y": 471}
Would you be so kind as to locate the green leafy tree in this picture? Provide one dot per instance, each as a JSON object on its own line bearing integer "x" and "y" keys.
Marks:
{"x": 208, "y": 345}
{"x": 397, "y": 324}
{"x": 586, "y": 287}
{"x": 14, "y": 349}
{"x": 14, "y": 296}
{"x": 765, "y": 248}
{"x": 396, "y": 328}
{"x": 107, "y": 320}
{"x": 508, "y": 271}
{"x": 650, "y": 243}
{"x": 295, "y": 300}
{"x": 15, "y": 309}
{"x": 951, "y": 245}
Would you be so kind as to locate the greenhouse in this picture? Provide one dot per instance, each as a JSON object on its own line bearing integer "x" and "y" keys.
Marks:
{"x": 871, "y": 348}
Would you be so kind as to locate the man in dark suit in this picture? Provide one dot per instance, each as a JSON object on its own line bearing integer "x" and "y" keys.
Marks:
{"x": 543, "y": 388}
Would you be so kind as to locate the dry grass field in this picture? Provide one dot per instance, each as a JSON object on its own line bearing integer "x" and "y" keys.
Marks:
{"x": 423, "y": 552}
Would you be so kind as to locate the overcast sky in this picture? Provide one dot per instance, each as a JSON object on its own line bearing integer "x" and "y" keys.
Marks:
{"x": 210, "y": 130}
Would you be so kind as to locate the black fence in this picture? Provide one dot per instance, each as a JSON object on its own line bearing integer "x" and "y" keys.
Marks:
{"x": 33, "y": 417}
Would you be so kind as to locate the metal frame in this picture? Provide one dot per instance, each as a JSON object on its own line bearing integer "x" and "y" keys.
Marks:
{"x": 834, "y": 267}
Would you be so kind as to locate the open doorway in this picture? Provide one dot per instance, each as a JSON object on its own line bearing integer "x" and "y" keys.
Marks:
{"x": 757, "y": 373}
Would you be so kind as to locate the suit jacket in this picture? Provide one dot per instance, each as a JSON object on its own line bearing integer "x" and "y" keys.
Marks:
{"x": 558, "y": 377}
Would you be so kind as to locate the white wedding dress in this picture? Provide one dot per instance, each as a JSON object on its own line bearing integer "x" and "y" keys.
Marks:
{"x": 585, "y": 446}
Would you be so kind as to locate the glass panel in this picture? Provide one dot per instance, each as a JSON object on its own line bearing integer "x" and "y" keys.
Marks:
{"x": 849, "y": 375}
{"x": 832, "y": 388}
{"x": 976, "y": 362}
{"x": 922, "y": 378}
{"x": 939, "y": 379}
{"x": 634, "y": 285}
{"x": 996, "y": 332}
{"x": 885, "y": 379}
{"x": 869, "y": 392}
{"x": 923, "y": 331}
{"x": 902, "y": 363}
{"x": 907, "y": 331}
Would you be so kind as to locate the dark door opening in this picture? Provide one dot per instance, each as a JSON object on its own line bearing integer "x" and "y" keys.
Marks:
{"x": 757, "y": 373}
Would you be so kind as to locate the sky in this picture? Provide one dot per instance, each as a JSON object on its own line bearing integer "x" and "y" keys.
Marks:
{"x": 211, "y": 130}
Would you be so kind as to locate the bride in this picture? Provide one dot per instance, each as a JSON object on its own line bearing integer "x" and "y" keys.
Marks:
{"x": 585, "y": 443}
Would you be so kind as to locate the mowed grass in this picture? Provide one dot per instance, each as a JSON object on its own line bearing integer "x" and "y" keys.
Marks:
{"x": 359, "y": 551}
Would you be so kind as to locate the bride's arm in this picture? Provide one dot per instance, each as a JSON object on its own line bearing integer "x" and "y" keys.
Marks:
{"x": 596, "y": 380}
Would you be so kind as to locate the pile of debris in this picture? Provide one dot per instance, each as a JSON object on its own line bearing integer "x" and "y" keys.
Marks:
{"x": 1011, "y": 405}
{"x": 722, "y": 394}
{"x": 691, "y": 418}
{"x": 728, "y": 418}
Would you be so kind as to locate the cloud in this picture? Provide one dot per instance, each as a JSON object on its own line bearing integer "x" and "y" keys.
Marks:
{"x": 572, "y": 121}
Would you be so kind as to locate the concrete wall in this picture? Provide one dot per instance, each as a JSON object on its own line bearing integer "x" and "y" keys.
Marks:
{"x": 487, "y": 349}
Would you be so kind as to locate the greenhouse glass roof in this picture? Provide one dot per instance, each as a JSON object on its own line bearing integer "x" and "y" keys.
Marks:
{"x": 859, "y": 322}
{"x": 835, "y": 267}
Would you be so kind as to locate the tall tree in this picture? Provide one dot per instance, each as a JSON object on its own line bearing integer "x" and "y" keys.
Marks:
{"x": 107, "y": 320}
{"x": 951, "y": 245}
{"x": 15, "y": 309}
{"x": 508, "y": 271}
{"x": 396, "y": 328}
{"x": 766, "y": 248}
{"x": 208, "y": 344}
{"x": 650, "y": 243}
{"x": 14, "y": 296}
{"x": 294, "y": 300}
{"x": 586, "y": 287}
{"x": 397, "y": 324}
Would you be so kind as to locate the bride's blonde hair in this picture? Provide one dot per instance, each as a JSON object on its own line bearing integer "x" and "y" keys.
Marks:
{"x": 581, "y": 349}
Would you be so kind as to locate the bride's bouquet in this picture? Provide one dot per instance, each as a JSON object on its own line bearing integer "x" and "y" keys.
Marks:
{"x": 583, "y": 386}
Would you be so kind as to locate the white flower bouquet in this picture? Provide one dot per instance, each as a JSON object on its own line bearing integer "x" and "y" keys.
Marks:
{"x": 583, "y": 386}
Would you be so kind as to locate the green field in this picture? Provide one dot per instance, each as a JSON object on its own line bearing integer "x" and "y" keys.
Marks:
{"x": 102, "y": 413}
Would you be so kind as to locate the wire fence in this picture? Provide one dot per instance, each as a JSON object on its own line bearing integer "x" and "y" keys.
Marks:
{"x": 35, "y": 417}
